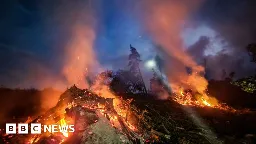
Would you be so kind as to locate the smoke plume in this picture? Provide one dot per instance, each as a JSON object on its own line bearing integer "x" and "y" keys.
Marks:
{"x": 164, "y": 21}
{"x": 79, "y": 59}
{"x": 234, "y": 22}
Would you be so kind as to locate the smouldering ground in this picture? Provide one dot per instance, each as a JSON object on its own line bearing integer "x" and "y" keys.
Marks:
{"x": 165, "y": 121}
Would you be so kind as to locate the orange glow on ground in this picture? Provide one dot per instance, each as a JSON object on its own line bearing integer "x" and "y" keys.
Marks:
{"x": 63, "y": 123}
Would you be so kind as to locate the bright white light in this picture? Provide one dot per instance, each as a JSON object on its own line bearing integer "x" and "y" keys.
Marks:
{"x": 150, "y": 64}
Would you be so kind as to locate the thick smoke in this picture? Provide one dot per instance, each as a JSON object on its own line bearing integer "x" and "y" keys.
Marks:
{"x": 80, "y": 57}
{"x": 234, "y": 22}
{"x": 232, "y": 19}
{"x": 197, "y": 49}
{"x": 164, "y": 21}
{"x": 55, "y": 51}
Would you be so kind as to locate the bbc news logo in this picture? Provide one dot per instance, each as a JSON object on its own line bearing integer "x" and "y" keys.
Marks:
{"x": 37, "y": 128}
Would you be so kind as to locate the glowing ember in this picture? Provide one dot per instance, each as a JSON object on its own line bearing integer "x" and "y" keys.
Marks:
{"x": 28, "y": 120}
{"x": 130, "y": 126}
{"x": 200, "y": 100}
{"x": 34, "y": 139}
{"x": 197, "y": 100}
{"x": 115, "y": 109}
{"x": 206, "y": 103}
{"x": 63, "y": 123}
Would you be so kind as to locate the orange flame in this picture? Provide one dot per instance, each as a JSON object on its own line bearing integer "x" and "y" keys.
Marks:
{"x": 28, "y": 120}
{"x": 200, "y": 101}
{"x": 63, "y": 123}
{"x": 165, "y": 25}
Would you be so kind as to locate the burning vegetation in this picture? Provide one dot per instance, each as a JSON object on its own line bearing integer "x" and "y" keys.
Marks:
{"x": 117, "y": 108}
{"x": 190, "y": 99}
{"x": 127, "y": 119}
{"x": 181, "y": 106}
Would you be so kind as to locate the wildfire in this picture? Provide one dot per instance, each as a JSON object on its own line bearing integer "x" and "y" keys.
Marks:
{"x": 120, "y": 106}
{"x": 117, "y": 110}
{"x": 186, "y": 98}
{"x": 200, "y": 100}
{"x": 28, "y": 120}
{"x": 206, "y": 103}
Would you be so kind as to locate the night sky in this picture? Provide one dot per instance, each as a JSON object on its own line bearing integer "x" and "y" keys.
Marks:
{"x": 34, "y": 34}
